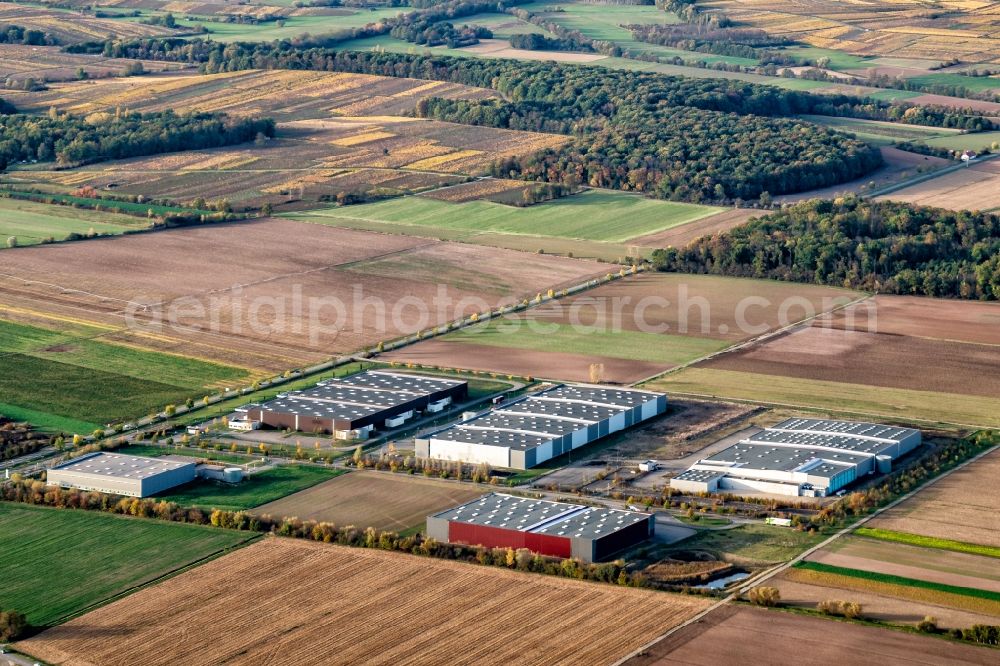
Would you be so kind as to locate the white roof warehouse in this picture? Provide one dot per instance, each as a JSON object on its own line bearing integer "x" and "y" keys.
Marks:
{"x": 811, "y": 457}
{"x": 527, "y": 432}
{"x": 118, "y": 474}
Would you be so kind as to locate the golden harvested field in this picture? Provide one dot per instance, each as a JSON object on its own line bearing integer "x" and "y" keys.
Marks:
{"x": 19, "y": 62}
{"x": 976, "y": 187}
{"x": 324, "y": 148}
{"x": 500, "y": 48}
{"x": 487, "y": 189}
{"x": 268, "y": 294}
{"x": 374, "y": 499}
{"x": 296, "y": 602}
{"x": 309, "y": 162}
{"x": 958, "y": 507}
{"x": 280, "y": 94}
{"x": 966, "y": 29}
{"x": 72, "y": 27}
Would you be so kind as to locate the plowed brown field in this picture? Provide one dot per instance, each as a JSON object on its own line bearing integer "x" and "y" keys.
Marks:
{"x": 731, "y": 635}
{"x": 876, "y": 359}
{"x": 959, "y": 507}
{"x": 268, "y": 294}
{"x": 294, "y": 602}
{"x": 937, "y": 318}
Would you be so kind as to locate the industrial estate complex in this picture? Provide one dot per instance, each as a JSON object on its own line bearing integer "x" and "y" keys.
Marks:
{"x": 527, "y": 432}
{"x": 132, "y": 476}
{"x": 558, "y": 529}
{"x": 351, "y": 407}
{"x": 802, "y": 457}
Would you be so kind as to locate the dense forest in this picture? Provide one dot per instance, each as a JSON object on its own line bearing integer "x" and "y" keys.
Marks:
{"x": 103, "y": 136}
{"x": 885, "y": 247}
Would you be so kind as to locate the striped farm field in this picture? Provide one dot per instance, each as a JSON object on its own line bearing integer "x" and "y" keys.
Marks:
{"x": 71, "y": 380}
{"x": 46, "y": 553}
{"x": 596, "y": 215}
{"x": 892, "y": 586}
{"x": 955, "y": 509}
{"x": 315, "y": 603}
{"x": 29, "y": 223}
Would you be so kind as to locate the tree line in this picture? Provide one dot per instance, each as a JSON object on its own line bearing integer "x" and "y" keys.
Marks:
{"x": 71, "y": 139}
{"x": 15, "y": 34}
{"x": 879, "y": 246}
{"x": 532, "y": 41}
{"x": 18, "y": 439}
{"x": 706, "y": 38}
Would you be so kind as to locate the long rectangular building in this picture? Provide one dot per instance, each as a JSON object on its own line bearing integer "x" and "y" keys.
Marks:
{"x": 351, "y": 407}
{"x": 119, "y": 474}
{"x": 539, "y": 427}
{"x": 810, "y": 457}
{"x": 556, "y": 529}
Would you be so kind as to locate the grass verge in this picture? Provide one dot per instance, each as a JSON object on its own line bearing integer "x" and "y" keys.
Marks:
{"x": 260, "y": 488}
{"x": 891, "y": 579}
{"x": 928, "y": 542}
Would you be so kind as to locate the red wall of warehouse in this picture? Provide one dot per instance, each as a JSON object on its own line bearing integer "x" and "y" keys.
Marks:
{"x": 497, "y": 537}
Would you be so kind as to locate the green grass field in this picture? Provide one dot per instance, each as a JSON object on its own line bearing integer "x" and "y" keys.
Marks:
{"x": 839, "y": 61}
{"x": 890, "y": 579}
{"x": 293, "y": 26}
{"x": 604, "y": 22}
{"x": 977, "y": 141}
{"x": 928, "y": 542}
{"x": 843, "y": 398}
{"x": 503, "y": 25}
{"x": 973, "y": 83}
{"x": 630, "y": 345}
{"x": 210, "y": 455}
{"x": 30, "y": 223}
{"x": 55, "y": 376}
{"x": 756, "y": 543}
{"x": 57, "y": 562}
{"x": 260, "y": 488}
{"x": 882, "y": 133}
{"x": 591, "y": 215}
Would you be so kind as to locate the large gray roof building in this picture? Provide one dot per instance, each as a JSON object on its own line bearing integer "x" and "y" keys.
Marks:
{"x": 352, "y": 406}
{"x": 119, "y": 474}
{"x": 813, "y": 457}
{"x": 527, "y": 432}
{"x": 558, "y": 529}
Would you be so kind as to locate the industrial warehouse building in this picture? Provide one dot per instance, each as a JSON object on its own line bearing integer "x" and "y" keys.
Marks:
{"x": 527, "y": 432}
{"x": 351, "y": 407}
{"x": 802, "y": 457}
{"x": 557, "y": 529}
{"x": 118, "y": 474}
